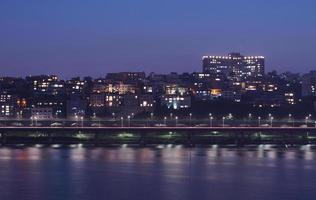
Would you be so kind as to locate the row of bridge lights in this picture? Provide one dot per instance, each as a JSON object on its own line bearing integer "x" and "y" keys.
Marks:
{"x": 211, "y": 118}
{"x": 230, "y": 116}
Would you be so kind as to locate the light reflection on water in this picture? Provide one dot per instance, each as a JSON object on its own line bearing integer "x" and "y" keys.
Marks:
{"x": 161, "y": 172}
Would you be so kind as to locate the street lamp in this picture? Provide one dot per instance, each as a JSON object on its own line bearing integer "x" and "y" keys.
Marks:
{"x": 190, "y": 118}
{"x": 259, "y": 121}
{"x": 249, "y": 118}
{"x": 76, "y": 120}
{"x": 165, "y": 120}
{"x": 122, "y": 121}
{"x": 113, "y": 116}
{"x": 290, "y": 117}
{"x": 306, "y": 121}
{"x": 211, "y": 121}
{"x": 129, "y": 120}
{"x": 210, "y": 117}
{"x": 151, "y": 119}
{"x": 81, "y": 121}
{"x": 271, "y": 120}
{"x": 35, "y": 120}
{"x": 176, "y": 120}
{"x": 151, "y": 116}
{"x": 223, "y": 121}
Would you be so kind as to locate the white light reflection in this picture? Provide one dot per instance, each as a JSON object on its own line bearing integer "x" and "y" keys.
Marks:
{"x": 56, "y": 145}
{"x": 77, "y": 154}
{"x": 290, "y": 155}
{"x": 34, "y": 154}
{"x": 308, "y": 153}
{"x": 6, "y": 154}
{"x": 179, "y": 146}
{"x": 306, "y": 147}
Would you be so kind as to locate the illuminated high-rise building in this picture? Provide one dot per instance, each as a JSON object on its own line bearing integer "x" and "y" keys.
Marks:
{"x": 234, "y": 66}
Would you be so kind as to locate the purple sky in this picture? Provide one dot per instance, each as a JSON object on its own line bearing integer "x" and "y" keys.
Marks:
{"x": 93, "y": 37}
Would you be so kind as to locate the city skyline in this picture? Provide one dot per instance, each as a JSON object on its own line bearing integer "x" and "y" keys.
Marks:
{"x": 55, "y": 71}
{"x": 166, "y": 99}
{"x": 248, "y": 60}
{"x": 80, "y": 38}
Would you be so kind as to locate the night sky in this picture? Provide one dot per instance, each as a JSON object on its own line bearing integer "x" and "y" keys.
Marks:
{"x": 93, "y": 37}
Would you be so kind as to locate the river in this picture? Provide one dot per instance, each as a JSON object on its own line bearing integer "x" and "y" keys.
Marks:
{"x": 161, "y": 172}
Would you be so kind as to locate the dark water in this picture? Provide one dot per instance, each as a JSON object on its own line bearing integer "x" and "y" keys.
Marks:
{"x": 260, "y": 172}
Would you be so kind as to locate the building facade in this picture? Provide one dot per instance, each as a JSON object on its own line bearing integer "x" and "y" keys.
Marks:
{"x": 8, "y": 105}
{"x": 309, "y": 84}
{"x": 234, "y": 66}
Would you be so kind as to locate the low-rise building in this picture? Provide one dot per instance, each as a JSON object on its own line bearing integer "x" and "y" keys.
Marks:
{"x": 8, "y": 105}
{"x": 76, "y": 107}
{"x": 309, "y": 84}
{"x": 147, "y": 102}
{"x": 42, "y": 113}
{"x": 176, "y": 101}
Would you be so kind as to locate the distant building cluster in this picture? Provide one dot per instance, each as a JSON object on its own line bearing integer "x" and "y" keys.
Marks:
{"x": 234, "y": 77}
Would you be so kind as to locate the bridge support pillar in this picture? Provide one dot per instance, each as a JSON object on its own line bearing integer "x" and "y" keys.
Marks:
{"x": 259, "y": 136}
{"x": 49, "y": 138}
{"x": 307, "y": 138}
{"x": 96, "y": 138}
{"x": 3, "y": 138}
{"x": 190, "y": 141}
{"x": 142, "y": 139}
{"x": 239, "y": 138}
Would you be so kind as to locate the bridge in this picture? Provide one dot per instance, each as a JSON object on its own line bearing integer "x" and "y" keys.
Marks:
{"x": 157, "y": 128}
{"x": 109, "y": 135}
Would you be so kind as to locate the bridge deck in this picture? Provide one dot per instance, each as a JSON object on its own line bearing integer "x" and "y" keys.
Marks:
{"x": 162, "y": 128}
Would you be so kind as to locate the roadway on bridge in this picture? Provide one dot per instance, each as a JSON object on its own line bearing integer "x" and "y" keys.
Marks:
{"x": 166, "y": 128}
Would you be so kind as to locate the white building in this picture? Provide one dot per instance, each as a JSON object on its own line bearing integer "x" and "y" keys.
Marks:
{"x": 42, "y": 113}
{"x": 8, "y": 105}
{"x": 176, "y": 101}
